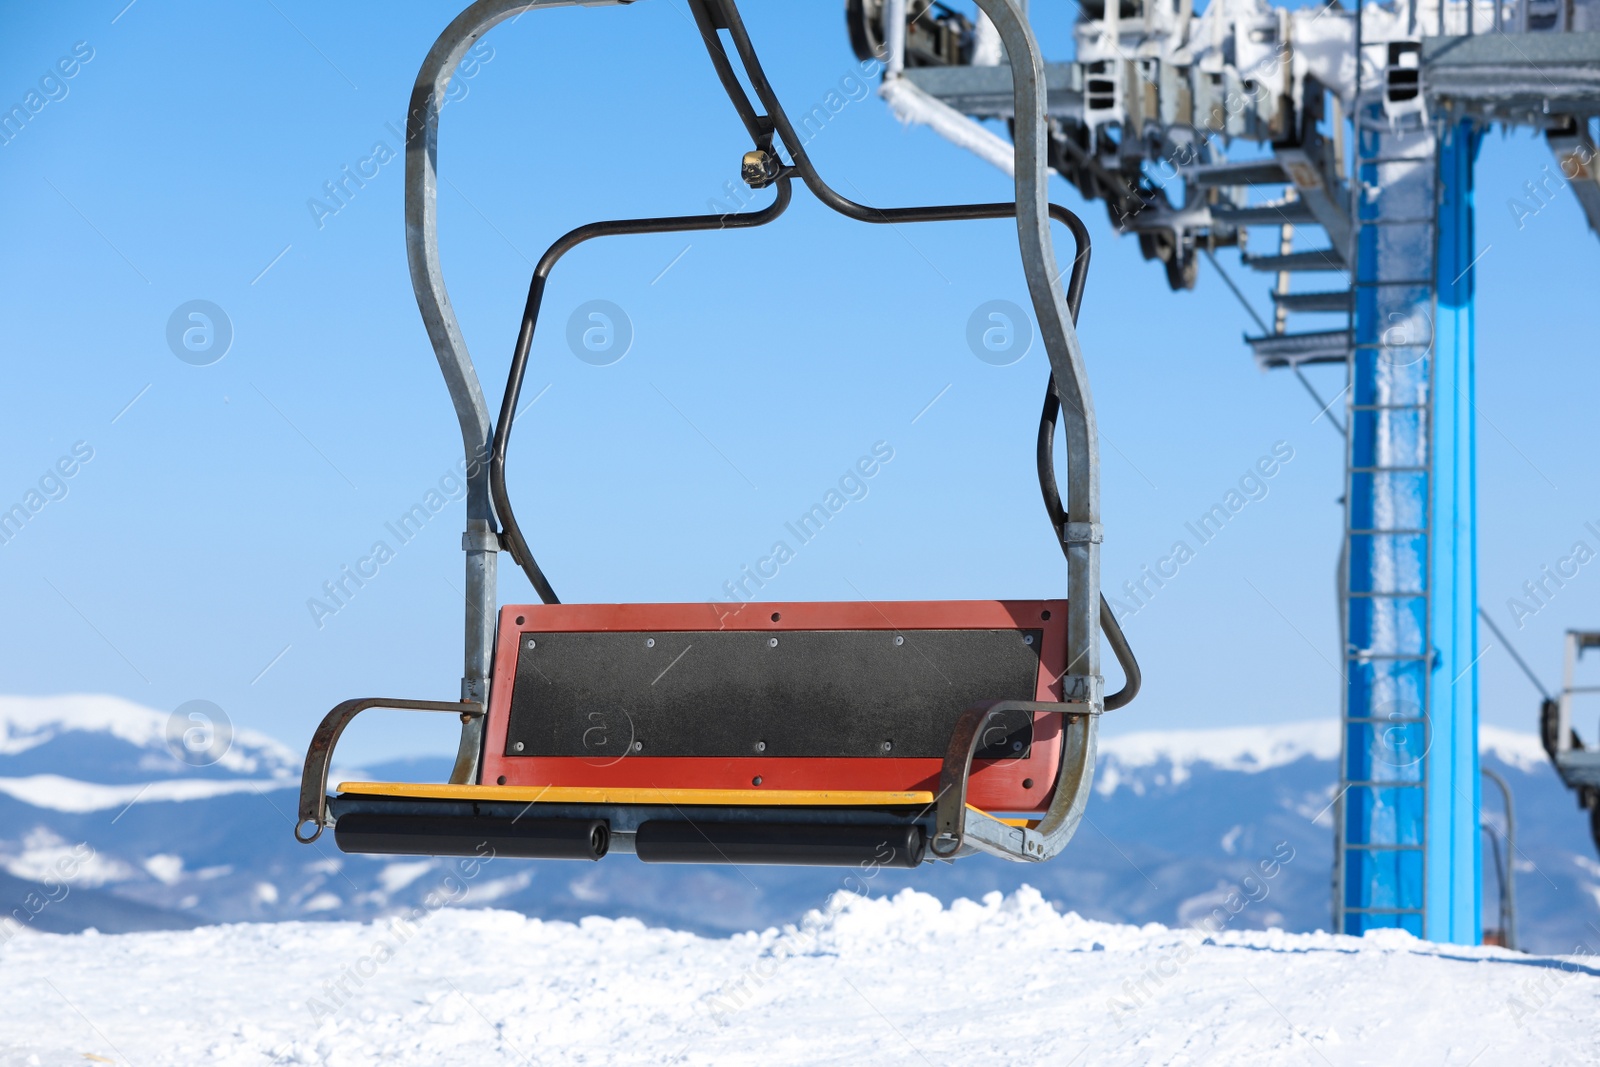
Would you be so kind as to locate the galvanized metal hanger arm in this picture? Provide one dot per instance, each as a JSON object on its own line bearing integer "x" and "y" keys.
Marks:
{"x": 449, "y": 347}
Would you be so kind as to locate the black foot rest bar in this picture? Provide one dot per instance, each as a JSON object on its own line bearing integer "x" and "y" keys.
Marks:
{"x": 799, "y": 845}
{"x": 443, "y": 835}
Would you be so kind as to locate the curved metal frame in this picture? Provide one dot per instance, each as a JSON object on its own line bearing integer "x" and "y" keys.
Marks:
{"x": 314, "y": 777}
{"x": 1078, "y": 523}
{"x": 511, "y": 533}
{"x": 954, "y": 825}
{"x": 1508, "y": 875}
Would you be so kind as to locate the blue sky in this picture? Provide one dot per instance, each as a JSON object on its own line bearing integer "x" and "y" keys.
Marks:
{"x": 178, "y": 163}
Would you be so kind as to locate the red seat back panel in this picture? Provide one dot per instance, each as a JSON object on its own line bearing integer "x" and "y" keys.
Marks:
{"x": 587, "y": 666}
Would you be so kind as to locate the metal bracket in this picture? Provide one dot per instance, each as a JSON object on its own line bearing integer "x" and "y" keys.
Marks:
{"x": 480, "y": 536}
{"x": 760, "y": 168}
{"x": 1082, "y": 533}
{"x": 1086, "y": 689}
{"x": 984, "y": 833}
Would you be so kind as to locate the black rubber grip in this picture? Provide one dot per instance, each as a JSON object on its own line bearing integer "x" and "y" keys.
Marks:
{"x": 791, "y": 844}
{"x": 445, "y": 835}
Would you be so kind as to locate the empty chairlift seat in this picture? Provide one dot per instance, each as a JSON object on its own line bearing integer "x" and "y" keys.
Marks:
{"x": 802, "y": 733}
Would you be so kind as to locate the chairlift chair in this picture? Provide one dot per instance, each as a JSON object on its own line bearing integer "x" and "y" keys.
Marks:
{"x": 1577, "y": 765}
{"x": 792, "y": 733}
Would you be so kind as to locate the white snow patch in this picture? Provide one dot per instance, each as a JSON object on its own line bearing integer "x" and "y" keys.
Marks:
{"x": 323, "y": 902}
{"x": 496, "y": 888}
{"x": 912, "y": 106}
{"x": 46, "y": 857}
{"x": 396, "y": 876}
{"x": 165, "y": 868}
{"x": 76, "y": 798}
{"x": 587, "y": 889}
{"x": 860, "y": 981}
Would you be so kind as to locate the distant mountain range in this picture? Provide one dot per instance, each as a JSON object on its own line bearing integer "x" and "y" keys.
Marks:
{"x": 103, "y": 825}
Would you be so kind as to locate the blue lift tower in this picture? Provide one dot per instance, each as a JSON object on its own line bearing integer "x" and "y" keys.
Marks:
{"x": 1347, "y": 143}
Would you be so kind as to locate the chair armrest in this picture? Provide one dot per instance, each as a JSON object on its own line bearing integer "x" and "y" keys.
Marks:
{"x": 314, "y": 779}
{"x": 1027, "y": 844}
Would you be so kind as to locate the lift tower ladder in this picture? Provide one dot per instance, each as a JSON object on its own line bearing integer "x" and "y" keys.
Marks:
{"x": 1381, "y": 837}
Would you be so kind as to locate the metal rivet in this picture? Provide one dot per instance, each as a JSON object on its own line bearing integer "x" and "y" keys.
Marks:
{"x": 517, "y": 747}
{"x": 520, "y": 620}
{"x": 649, "y": 642}
{"x": 533, "y": 644}
{"x": 1027, "y": 783}
{"x": 501, "y": 780}
{"x": 637, "y": 745}
{"x": 1027, "y": 639}
{"x": 776, "y": 616}
{"x": 761, "y": 746}
{"x": 756, "y": 780}
{"x": 1016, "y": 746}
{"x": 887, "y": 745}
{"x": 772, "y": 642}
{"x": 899, "y": 640}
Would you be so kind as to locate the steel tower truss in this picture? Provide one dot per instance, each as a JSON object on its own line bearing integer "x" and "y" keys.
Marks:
{"x": 1145, "y": 118}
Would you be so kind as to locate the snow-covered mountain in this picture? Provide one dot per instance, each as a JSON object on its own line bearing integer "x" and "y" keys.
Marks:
{"x": 109, "y": 819}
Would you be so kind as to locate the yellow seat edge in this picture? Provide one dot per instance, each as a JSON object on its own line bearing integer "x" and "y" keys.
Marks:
{"x": 570, "y": 794}
{"x": 1027, "y": 823}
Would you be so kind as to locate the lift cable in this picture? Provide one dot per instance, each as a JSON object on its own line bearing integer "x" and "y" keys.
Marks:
{"x": 1233, "y": 288}
{"x": 1534, "y": 678}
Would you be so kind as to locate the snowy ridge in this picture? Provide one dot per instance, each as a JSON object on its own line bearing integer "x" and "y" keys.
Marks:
{"x": 1514, "y": 748}
{"x": 1236, "y": 748}
{"x": 90, "y": 786}
{"x": 28, "y": 722}
{"x": 1251, "y": 749}
{"x": 859, "y": 980}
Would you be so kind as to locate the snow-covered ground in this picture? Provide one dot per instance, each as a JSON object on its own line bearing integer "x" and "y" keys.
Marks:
{"x": 901, "y": 980}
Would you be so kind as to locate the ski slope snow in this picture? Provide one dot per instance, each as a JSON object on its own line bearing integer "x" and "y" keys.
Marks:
{"x": 887, "y": 981}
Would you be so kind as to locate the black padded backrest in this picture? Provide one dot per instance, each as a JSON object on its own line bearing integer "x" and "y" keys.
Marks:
{"x": 796, "y": 693}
